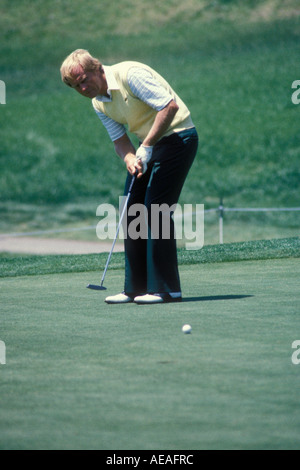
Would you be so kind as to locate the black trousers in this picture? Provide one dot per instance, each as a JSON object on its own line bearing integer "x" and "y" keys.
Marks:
{"x": 151, "y": 259}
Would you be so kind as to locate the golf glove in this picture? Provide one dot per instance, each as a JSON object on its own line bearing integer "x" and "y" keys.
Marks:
{"x": 144, "y": 155}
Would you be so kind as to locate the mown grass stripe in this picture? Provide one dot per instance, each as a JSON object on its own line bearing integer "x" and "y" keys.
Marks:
{"x": 12, "y": 265}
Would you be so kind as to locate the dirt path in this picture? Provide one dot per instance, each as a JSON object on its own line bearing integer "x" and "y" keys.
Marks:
{"x": 45, "y": 246}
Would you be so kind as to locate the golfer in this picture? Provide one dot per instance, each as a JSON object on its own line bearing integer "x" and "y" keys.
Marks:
{"x": 132, "y": 97}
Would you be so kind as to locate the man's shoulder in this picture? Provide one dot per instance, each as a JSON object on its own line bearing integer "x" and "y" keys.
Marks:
{"x": 121, "y": 70}
{"x": 126, "y": 65}
{"x": 129, "y": 63}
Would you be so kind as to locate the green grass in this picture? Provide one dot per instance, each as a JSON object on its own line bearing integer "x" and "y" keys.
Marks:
{"x": 81, "y": 374}
{"x": 12, "y": 265}
{"x": 232, "y": 62}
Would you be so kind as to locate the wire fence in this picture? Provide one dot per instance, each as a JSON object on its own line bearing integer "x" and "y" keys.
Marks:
{"x": 220, "y": 210}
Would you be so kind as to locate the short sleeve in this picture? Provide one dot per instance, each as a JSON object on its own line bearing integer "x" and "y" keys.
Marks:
{"x": 115, "y": 129}
{"x": 145, "y": 87}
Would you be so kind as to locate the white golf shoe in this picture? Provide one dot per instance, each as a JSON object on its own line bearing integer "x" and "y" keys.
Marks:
{"x": 119, "y": 299}
{"x": 158, "y": 298}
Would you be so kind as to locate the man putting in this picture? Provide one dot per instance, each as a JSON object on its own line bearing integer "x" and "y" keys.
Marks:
{"x": 134, "y": 95}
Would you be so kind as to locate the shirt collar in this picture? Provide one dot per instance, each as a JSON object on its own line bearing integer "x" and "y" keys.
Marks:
{"x": 112, "y": 84}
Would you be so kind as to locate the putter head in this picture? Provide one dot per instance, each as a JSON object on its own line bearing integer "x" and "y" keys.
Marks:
{"x": 94, "y": 287}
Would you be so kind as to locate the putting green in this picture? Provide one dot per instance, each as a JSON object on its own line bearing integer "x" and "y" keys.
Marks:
{"x": 81, "y": 374}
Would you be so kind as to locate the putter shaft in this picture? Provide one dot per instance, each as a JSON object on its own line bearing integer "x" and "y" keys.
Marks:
{"x": 101, "y": 287}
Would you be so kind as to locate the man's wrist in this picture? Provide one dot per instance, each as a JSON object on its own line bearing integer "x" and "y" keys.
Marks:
{"x": 128, "y": 157}
{"x": 146, "y": 144}
{"x": 144, "y": 154}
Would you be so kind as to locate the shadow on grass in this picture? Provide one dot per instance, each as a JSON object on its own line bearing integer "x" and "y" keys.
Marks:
{"x": 214, "y": 297}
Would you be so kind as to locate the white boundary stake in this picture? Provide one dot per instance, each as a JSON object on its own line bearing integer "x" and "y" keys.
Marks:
{"x": 2, "y": 352}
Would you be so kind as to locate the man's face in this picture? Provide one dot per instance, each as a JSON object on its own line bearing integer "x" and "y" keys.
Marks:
{"x": 88, "y": 84}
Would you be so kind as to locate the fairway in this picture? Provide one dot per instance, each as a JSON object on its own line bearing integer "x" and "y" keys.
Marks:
{"x": 81, "y": 374}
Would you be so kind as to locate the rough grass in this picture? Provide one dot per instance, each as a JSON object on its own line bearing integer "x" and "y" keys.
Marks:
{"x": 232, "y": 62}
{"x": 12, "y": 266}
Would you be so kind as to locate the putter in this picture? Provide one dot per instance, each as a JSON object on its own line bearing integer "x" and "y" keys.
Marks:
{"x": 101, "y": 287}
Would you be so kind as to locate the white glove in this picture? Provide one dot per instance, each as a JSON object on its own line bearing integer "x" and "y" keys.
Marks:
{"x": 144, "y": 154}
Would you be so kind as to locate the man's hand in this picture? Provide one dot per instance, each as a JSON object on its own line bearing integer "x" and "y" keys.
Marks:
{"x": 133, "y": 166}
{"x": 143, "y": 156}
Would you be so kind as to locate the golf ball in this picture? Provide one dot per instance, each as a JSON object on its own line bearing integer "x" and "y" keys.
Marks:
{"x": 186, "y": 329}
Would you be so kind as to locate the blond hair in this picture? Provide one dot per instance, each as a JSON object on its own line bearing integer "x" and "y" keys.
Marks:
{"x": 78, "y": 57}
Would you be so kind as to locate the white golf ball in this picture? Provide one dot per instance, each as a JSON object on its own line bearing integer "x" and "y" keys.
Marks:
{"x": 186, "y": 329}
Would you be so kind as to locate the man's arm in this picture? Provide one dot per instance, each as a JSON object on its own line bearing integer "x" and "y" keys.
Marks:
{"x": 126, "y": 151}
{"x": 149, "y": 90}
{"x": 161, "y": 123}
